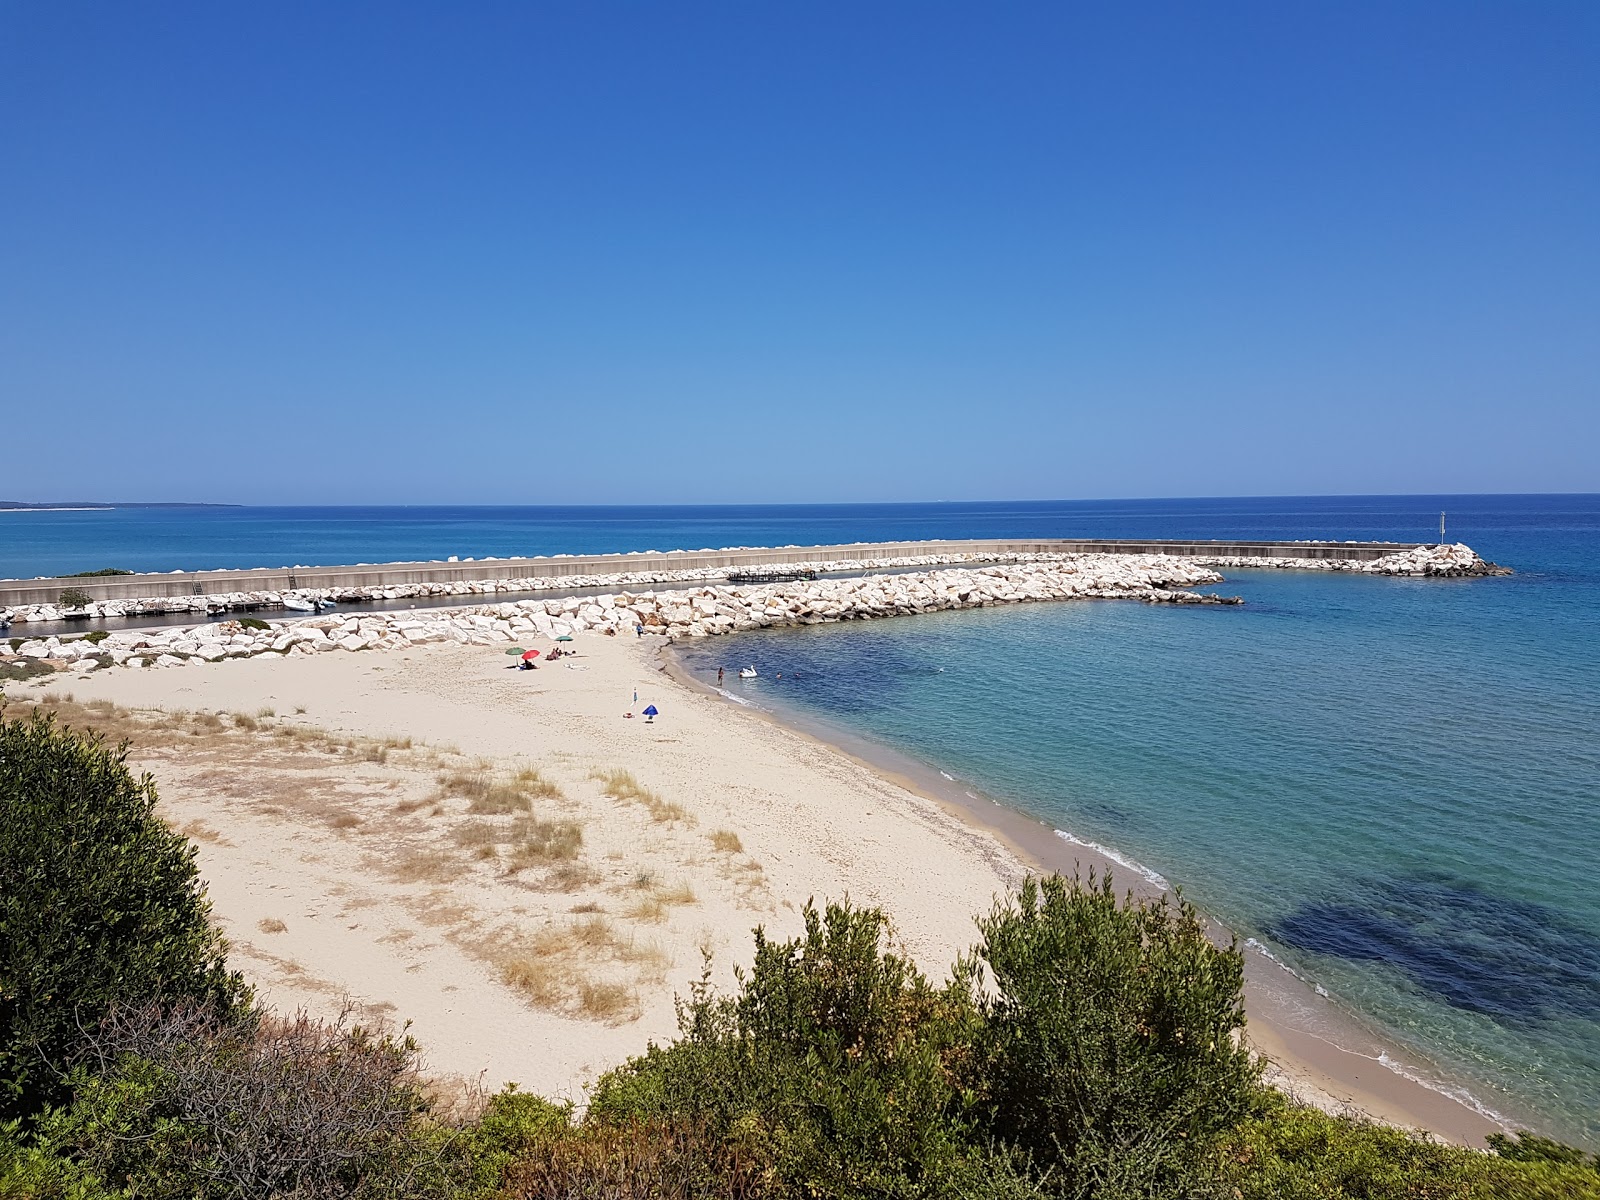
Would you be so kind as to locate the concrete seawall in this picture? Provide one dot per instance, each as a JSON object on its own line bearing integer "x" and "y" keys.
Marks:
{"x": 19, "y": 592}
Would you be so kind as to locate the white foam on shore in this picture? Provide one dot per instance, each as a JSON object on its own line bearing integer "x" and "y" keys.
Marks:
{"x": 1253, "y": 944}
{"x": 1451, "y": 1091}
{"x": 1121, "y": 860}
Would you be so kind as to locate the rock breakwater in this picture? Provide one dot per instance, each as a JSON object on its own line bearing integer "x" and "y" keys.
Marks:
{"x": 704, "y": 611}
{"x": 1447, "y": 561}
{"x": 1450, "y": 560}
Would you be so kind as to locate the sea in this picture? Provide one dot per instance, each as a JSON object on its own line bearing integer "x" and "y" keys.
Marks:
{"x": 1389, "y": 786}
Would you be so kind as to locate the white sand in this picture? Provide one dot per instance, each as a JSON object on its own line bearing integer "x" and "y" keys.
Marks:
{"x": 817, "y": 823}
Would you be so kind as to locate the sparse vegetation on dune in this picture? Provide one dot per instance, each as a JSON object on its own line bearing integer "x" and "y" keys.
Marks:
{"x": 621, "y": 785}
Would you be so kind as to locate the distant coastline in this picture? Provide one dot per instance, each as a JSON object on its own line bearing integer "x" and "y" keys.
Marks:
{"x": 95, "y": 505}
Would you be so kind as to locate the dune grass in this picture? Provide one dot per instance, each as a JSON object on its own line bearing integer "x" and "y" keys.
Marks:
{"x": 621, "y": 785}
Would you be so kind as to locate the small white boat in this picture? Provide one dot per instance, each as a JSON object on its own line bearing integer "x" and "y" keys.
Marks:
{"x": 299, "y": 604}
{"x": 748, "y": 673}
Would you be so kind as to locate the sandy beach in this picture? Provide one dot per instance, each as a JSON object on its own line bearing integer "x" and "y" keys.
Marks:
{"x": 528, "y": 876}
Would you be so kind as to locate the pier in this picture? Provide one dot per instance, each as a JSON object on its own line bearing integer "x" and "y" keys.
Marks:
{"x": 20, "y": 592}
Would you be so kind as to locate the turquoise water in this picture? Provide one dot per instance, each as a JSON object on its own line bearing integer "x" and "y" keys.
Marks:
{"x": 1393, "y": 784}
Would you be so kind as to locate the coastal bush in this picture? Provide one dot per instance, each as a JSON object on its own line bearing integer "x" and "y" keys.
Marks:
{"x": 1111, "y": 1044}
{"x": 836, "y": 1064}
{"x": 1288, "y": 1152}
{"x": 253, "y": 623}
{"x": 185, "y": 1103}
{"x": 20, "y": 670}
{"x": 74, "y": 598}
{"x": 100, "y": 905}
{"x": 102, "y": 572}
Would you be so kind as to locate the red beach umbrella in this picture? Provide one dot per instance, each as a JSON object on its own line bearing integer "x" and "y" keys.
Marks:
{"x": 529, "y": 655}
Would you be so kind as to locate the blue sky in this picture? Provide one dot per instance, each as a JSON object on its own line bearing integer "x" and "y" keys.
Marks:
{"x": 397, "y": 253}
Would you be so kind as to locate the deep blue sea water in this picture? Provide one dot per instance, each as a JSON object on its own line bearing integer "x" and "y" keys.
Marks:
{"x": 157, "y": 539}
{"x": 1394, "y": 785}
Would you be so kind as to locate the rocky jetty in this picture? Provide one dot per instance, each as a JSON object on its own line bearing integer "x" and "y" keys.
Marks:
{"x": 266, "y": 600}
{"x": 1444, "y": 561}
{"x": 704, "y": 611}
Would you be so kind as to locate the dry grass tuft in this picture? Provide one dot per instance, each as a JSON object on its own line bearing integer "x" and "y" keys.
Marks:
{"x": 558, "y": 968}
{"x": 539, "y": 981}
{"x": 621, "y": 785}
{"x": 476, "y": 834}
{"x": 426, "y": 866}
{"x": 726, "y": 841}
{"x": 606, "y": 1001}
{"x": 679, "y": 893}
{"x": 344, "y": 821}
{"x": 487, "y": 794}
{"x": 201, "y": 832}
{"x": 272, "y": 925}
{"x": 537, "y": 842}
{"x": 246, "y": 722}
{"x": 265, "y": 712}
{"x": 647, "y": 908}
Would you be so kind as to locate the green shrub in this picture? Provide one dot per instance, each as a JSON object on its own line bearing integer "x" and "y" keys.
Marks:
{"x": 1530, "y": 1147}
{"x": 254, "y": 623}
{"x": 95, "y": 637}
{"x": 103, "y": 571}
{"x": 28, "y": 1172}
{"x": 837, "y": 1064}
{"x": 1111, "y": 1047}
{"x": 1286, "y": 1152}
{"x": 100, "y": 905}
{"x": 74, "y": 598}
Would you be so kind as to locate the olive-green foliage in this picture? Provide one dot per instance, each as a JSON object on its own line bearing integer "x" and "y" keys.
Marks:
{"x": 515, "y": 1126}
{"x": 1286, "y": 1152}
{"x": 74, "y": 598}
{"x": 1110, "y": 1045}
{"x": 254, "y": 623}
{"x": 28, "y": 1172}
{"x": 1530, "y": 1147}
{"x": 100, "y": 905}
{"x": 103, "y": 571}
{"x": 837, "y": 1063}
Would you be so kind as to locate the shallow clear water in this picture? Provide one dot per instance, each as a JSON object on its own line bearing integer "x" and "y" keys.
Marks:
{"x": 1393, "y": 784}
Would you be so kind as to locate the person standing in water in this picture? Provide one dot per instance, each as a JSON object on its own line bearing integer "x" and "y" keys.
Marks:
{"x": 719, "y": 676}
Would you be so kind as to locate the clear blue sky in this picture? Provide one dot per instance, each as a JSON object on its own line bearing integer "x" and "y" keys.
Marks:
{"x": 389, "y": 252}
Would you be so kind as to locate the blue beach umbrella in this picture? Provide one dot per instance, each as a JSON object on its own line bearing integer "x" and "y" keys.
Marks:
{"x": 650, "y": 713}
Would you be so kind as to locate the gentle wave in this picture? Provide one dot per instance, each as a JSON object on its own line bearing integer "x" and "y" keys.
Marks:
{"x": 1455, "y": 1092}
{"x": 1253, "y": 944}
{"x": 1121, "y": 860}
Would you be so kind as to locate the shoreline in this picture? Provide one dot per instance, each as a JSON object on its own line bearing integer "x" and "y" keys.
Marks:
{"x": 1323, "y": 1070}
{"x": 1319, "y": 1069}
